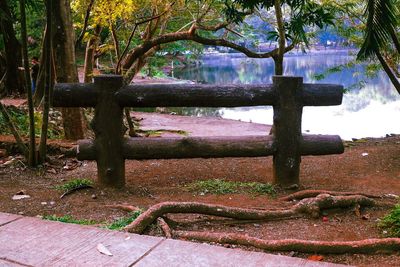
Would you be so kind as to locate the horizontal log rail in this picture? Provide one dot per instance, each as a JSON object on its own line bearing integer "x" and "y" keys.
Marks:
{"x": 193, "y": 95}
{"x": 287, "y": 95}
{"x": 212, "y": 147}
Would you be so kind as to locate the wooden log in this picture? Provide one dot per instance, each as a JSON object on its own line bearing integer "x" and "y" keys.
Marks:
{"x": 108, "y": 128}
{"x": 75, "y": 95}
{"x": 211, "y": 147}
{"x": 322, "y": 94}
{"x": 316, "y": 145}
{"x": 287, "y": 130}
{"x": 193, "y": 95}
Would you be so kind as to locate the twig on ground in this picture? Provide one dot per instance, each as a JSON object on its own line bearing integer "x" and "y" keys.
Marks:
{"x": 85, "y": 186}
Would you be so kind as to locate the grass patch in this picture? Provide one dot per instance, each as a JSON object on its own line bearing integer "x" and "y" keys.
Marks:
{"x": 390, "y": 224}
{"x": 68, "y": 219}
{"x": 74, "y": 184}
{"x": 121, "y": 223}
{"x": 221, "y": 187}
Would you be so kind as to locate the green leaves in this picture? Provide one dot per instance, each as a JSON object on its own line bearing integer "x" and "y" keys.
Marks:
{"x": 303, "y": 14}
{"x": 381, "y": 20}
{"x": 390, "y": 224}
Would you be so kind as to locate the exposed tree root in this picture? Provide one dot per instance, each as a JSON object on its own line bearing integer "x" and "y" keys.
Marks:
{"x": 127, "y": 208}
{"x": 309, "y": 206}
{"x": 325, "y": 247}
{"x": 313, "y": 193}
{"x": 164, "y": 227}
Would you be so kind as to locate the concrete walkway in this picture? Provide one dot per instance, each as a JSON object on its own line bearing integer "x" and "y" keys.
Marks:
{"x": 26, "y": 241}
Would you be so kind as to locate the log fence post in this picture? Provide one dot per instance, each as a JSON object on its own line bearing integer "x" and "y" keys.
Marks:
{"x": 108, "y": 127}
{"x": 288, "y": 108}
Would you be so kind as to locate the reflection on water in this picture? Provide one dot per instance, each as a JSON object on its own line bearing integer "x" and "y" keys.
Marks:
{"x": 371, "y": 111}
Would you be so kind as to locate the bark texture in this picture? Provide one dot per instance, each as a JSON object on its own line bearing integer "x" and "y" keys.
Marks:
{"x": 108, "y": 115}
{"x": 287, "y": 130}
{"x": 12, "y": 48}
{"x": 211, "y": 147}
{"x": 64, "y": 46}
{"x": 313, "y": 193}
{"x": 308, "y": 207}
{"x": 385, "y": 245}
{"x": 194, "y": 95}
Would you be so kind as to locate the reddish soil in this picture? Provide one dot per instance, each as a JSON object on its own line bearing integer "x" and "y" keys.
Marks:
{"x": 153, "y": 181}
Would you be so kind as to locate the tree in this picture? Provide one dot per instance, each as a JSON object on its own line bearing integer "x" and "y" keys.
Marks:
{"x": 65, "y": 64}
{"x": 292, "y": 25}
{"x": 381, "y": 36}
{"x": 12, "y": 49}
{"x": 24, "y": 40}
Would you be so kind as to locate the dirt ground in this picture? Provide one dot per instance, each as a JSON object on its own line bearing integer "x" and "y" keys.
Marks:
{"x": 371, "y": 166}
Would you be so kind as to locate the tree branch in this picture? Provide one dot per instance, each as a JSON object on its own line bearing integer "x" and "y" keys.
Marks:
{"x": 85, "y": 24}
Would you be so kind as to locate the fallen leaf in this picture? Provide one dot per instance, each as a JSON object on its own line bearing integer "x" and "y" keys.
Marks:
{"x": 103, "y": 250}
{"x": 18, "y": 197}
{"x": 315, "y": 258}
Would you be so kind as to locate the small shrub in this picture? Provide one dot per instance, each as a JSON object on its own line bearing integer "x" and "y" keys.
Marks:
{"x": 221, "y": 187}
{"x": 390, "y": 224}
{"x": 73, "y": 184}
{"x": 121, "y": 223}
{"x": 260, "y": 188}
{"x": 68, "y": 219}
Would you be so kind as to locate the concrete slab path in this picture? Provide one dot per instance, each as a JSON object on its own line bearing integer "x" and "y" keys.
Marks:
{"x": 26, "y": 241}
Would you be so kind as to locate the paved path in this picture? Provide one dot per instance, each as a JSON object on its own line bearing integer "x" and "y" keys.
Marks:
{"x": 26, "y": 241}
{"x": 199, "y": 126}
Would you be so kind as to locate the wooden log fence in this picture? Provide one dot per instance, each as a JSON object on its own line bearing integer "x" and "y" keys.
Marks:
{"x": 287, "y": 95}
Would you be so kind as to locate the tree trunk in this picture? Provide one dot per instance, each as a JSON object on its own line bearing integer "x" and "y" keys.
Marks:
{"x": 32, "y": 145}
{"x": 47, "y": 55}
{"x": 278, "y": 59}
{"x": 388, "y": 71}
{"x": 89, "y": 55}
{"x": 63, "y": 43}
{"x": 12, "y": 50}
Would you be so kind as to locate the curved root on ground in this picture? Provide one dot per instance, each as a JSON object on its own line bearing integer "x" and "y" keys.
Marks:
{"x": 325, "y": 247}
{"x": 313, "y": 193}
{"x": 308, "y": 206}
{"x": 127, "y": 208}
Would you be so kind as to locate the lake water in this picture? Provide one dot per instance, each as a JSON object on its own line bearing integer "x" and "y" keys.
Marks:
{"x": 372, "y": 111}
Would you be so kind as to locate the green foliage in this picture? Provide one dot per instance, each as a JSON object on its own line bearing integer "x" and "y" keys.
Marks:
{"x": 73, "y": 184}
{"x": 121, "y": 223}
{"x": 390, "y": 224}
{"x": 221, "y": 187}
{"x": 68, "y": 219}
{"x": 116, "y": 225}
{"x": 304, "y": 14}
{"x": 21, "y": 120}
{"x": 381, "y": 21}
